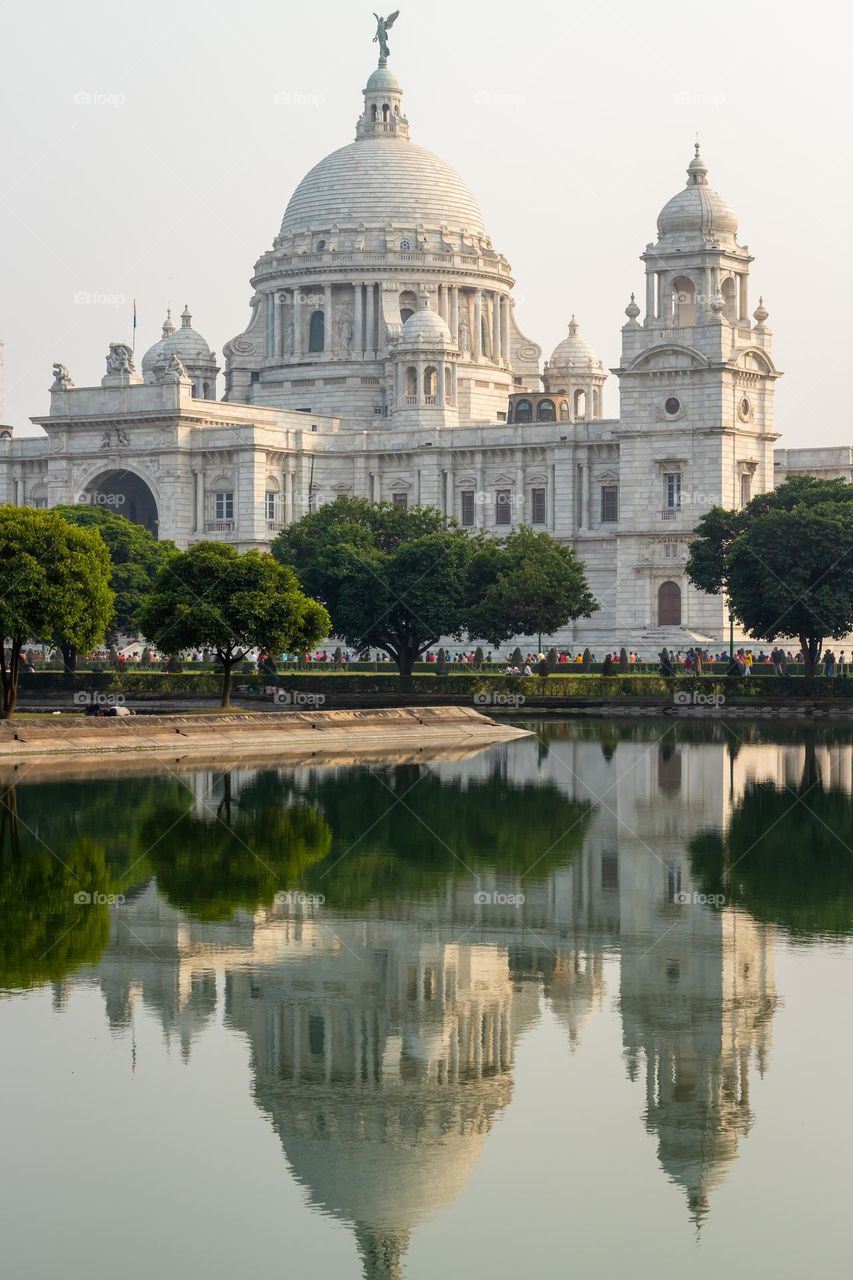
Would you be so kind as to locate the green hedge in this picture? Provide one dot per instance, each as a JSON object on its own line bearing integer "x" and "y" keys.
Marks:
{"x": 465, "y": 686}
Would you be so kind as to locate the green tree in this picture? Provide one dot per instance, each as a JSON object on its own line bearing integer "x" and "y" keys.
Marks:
{"x": 55, "y": 584}
{"x": 791, "y": 573}
{"x": 391, "y": 579}
{"x": 523, "y": 585}
{"x": 136, "y": 557}
{"x": 212, "y": 596}
{"x": 784, "y": 561}
{"x": 399, "y": 580}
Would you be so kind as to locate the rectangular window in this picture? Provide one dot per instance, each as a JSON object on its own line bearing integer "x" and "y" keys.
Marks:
{"x": 609, "y": 503}
{"x": 400, "y": 500}
{"x": 672, "y": 490}
{"x": 468, "y": 507}
{"x": 537, "y": 504}
{"x": 271, "y": 504}
{"x": 224, "y": 506}
{"x": 503, "y": 506}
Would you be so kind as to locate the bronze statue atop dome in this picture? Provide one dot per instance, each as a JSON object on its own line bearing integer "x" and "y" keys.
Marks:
{"x": 383, "y": 26}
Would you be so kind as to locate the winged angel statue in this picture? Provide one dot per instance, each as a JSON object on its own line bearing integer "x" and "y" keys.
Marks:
{"x": 383, "y": 26}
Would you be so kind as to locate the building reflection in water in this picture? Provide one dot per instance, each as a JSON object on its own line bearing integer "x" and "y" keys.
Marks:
{"x": 382, "y": 1043}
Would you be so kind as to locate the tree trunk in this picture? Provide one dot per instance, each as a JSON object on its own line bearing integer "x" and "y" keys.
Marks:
{"x": 406, "y": 656}
{"x": 10, "y": 679}
{"x": 811, "y": 648}
{"x": 69, "y": 663}
{"x": 227, "y": 665}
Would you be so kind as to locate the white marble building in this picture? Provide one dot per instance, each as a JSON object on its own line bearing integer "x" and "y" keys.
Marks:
{"x": 382, "y": 359}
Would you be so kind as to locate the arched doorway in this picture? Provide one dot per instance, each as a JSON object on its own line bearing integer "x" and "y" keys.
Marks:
{"x": 669, "y": 604}
{"x": 125, "y": 494}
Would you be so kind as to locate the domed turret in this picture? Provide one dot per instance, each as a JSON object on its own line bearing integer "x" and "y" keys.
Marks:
{"x": 194, "y": 353}
{"x": 425, "y": 326}
{"x": 576, "y": 373}
{"x": 425, "y": 359}
{"x": 697, "y": 213}
{"x": 152, "y": 355}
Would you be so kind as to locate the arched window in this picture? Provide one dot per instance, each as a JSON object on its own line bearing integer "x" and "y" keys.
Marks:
{"x": 411, "y": 385}
{"x": 545, "y": 411}
{"x": 430, "y": 385}
{"x": 580, "y": 405}
{"x": 205, "y": 390}
{"x": 564, "y": 411}
{"x": 386, "y": 112}
{"x": 38, "y": 497}
{"x": 317, "y": 332}
{"x": 729, "y": 292}
{"x": 683, "y": 302}
{"x": 523, "y": 411}
{"x": 408, "y": 301}
{"x": 669, "y": 604}
{"x": 373, "y": 112}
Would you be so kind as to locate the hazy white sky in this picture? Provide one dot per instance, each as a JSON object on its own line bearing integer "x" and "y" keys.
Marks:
{"x": 572, "y": 124}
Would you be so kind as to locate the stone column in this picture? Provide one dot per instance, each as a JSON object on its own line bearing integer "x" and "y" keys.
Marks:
{"x": 297, "y": 321}
{"x": 650, "y": 296}
{"x": 505, "y": 342}
{"x": 477, "y": 335}
{"x": 441, "y": 389}
{"x": 276, "y": 320}
{"x": 358, "y": 317}
{"x": 454, "y": 312}
{"x": 497, "y": 354}
{"x": 479, "y": 497}
{"x": 448, "y": 493}
{"x": 328, "y": 321}
{"x": 520, "y": 495}
{"x": 419, "y": 374}
{"x": 743, "y": 302}
{"x": 370, "y": 324}
{"x": 270, "y": 323}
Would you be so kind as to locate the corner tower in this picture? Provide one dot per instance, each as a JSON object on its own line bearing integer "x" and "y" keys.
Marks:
{"x": 696, "y": 386}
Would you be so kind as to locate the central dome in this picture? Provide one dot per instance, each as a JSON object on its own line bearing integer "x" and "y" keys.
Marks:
{"x": 380, "y": 180}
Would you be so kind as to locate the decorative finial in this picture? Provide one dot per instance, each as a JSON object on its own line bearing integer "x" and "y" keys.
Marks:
{"x": 632, "y": 310}
{"x": 573, "y": 326}
{"x": 383, "y": 26}
{"x": 186, "y": 318}
{"x": 761, "y": 314}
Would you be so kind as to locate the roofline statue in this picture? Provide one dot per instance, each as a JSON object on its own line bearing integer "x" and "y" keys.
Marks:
{"x": 383, "y": 26}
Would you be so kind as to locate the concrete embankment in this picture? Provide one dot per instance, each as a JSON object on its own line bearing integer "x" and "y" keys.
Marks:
{"x": 345, "y": 736}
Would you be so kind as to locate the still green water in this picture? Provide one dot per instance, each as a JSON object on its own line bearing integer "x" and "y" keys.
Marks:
{"x": 574, "y": 1005}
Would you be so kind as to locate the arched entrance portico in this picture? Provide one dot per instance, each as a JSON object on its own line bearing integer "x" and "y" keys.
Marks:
{"x": 125, "y": 494}
{"x": 669, "y": 604}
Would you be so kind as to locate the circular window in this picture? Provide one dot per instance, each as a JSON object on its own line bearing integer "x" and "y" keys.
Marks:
{"x": 745, "y": 408}
{"x": 405, "y": 244}
{"x": 672, "y": 406}
{"x": 321, "y": 244}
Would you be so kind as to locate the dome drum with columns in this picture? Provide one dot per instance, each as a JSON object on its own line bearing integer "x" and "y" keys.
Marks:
{"x": 382, "y": 359}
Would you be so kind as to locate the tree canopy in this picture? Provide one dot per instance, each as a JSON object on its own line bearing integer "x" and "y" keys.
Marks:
{"x": 213, "y": 597}
{"x": 785, "y": 560}
{"x": 399, "y": 580}
{"x": 136, "y": 556}
{"x": 56, "y": 584}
